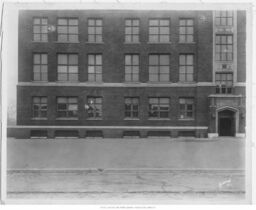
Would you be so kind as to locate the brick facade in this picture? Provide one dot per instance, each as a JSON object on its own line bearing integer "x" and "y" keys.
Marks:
{"x": 113, "y": 88}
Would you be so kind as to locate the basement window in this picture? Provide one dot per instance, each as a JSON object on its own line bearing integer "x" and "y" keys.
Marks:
{"x": 159, "y": 134}
{"x": 94, "y": 133}
{"x": 129, "y": 134}
{"x": 38, "y": 134}
{"x": 66, "y": 134}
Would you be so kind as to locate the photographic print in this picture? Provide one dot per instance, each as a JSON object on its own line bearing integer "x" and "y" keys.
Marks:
{"x": 126, "y": 102}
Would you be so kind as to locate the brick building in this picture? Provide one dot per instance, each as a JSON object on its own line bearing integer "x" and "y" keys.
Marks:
{"x": 115, "y": 73}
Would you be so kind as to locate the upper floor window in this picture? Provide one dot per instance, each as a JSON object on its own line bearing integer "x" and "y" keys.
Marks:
{"x": 132, "y": 30}
{"x": 94, "y": 30}
{"x": 67, "y": 30}
{"x": 40, "y": 67}
{"x": 39, "y": 107}
{"x": 224, "y": 82}
{"x": 159, "y": 30}
{"x": 186, "y": 68}
{"x": 224, "y": 18}
{"x": 131, "y": 68}
{"x": 95, "y": 67}
{"x": 186, "y": 30}
{"x": 40, "y": 29}
{"x": 186, "y": 108}
{"x": 159, "y": 108}
{"x": 159, "y": 68}
{"x": 131, "y": 107}
{"x": 224, "y": 48}
{"x": 67, "y": 67}
{"x": 67, "y": 107}
{"x": 94, "y": 107}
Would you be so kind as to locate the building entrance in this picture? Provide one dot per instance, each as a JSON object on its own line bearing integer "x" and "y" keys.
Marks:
{"x": 226, "y": 123}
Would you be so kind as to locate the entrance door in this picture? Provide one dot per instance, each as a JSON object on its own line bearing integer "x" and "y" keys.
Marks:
{"x": 226, "y": 123}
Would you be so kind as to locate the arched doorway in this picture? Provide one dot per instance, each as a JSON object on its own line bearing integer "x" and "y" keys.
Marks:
{"x": 227, "y": 122}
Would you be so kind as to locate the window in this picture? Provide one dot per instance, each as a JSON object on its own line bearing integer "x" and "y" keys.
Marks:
{"x": 186, "y": 30}
{"x": 159, "y": 30}
{"x": 131, "y": 68}
{"x": 131, "y": 107}
{"x": 39, "y": 107}
{"x": 94, "y": 107}
{"x": 132, "y": 28}
{"x": 67, "y": 30}
{"x": 67, "y": 67}
{"x": 186, "y": 68}
{"x": 67, "y": 107}
{"x": 224, "y": 48}
{"x": 40, "y": 29}
{"x": 40, "y": 67}
{"x": 159, "y": 108}
{"x": 94, "y": 67}
{"x": 224, "y": 18}
{"x": 224, "y": 82}
{"x": 186, "y": 108}
{"x": 159, "y": 68}
{"x": 94, "y": 30}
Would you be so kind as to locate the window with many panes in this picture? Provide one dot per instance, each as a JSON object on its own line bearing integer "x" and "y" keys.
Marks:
{"x": 67, "y": 67}
{"x": 224, "y": 48}
{"x": 67, "y": 30}
{"x": 94, "y": 67}
{"x": 186, "y": 108}
{"x": 67, "y": 107}
{"x": 94, "y": 30}
{"x": 132, "y": 32}
{"x": 40, "y": 29}
{"x": 159, "y": 68}
{"x": 159, "y": 30}
{"x": 132, "y": 68}
{"x": 224, "y": 82}
{"x": 186, "y": 30}
{"x": 39, "y": 107}
{"x": 224, "y": 18}
{"x": 94, "y": 110}
{"x": 186, "y": 68}
{"x": 159, "y": 108}
{"x": 40, "y": 67}
{"x": 131, "y": 107}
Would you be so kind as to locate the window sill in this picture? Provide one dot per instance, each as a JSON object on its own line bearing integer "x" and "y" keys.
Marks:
{"x": 40, "y": 41}
{"x": 94, "y": 82}
{"x": 67, "y": 118}
{"x": 159, "y": 42}
{"x": 132, "y": 42}
{"x": 39, "y": 81}
{"x": 39, "y": 118}
{"x": 94, "y": 119}
{"x": 94, "y": 42}
{"x": 191, "y": 119}
{"x": 224, "y": 62}
{"x": 68, "y": 81}
{"x": 58, "y": 42}
{"x": 159, "y": 82}
{"x": 131, "y": 119}
{"x": 131, "y": 82}
{"x": 159, "y": 119}
{"x": 192, "y": 82}
{"x": 187, "y": 43}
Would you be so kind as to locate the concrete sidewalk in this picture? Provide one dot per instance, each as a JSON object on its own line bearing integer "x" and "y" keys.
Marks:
{"x": 181, "y": 153}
